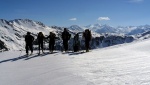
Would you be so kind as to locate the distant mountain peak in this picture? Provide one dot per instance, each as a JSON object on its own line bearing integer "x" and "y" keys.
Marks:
{"x": 76, "y": 28}
{"x": 3, "y": 21}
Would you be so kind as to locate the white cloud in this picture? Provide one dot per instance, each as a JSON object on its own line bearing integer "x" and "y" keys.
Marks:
{"x": 73, "y": 19}
{"x": 103, "y": 18}
{"x": 136, "y": 1}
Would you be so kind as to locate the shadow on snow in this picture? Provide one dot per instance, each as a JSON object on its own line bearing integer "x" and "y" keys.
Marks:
{"x": 25, "y": 57}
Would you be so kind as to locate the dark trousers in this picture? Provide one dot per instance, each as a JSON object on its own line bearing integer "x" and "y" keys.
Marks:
{"x": 65, "y": 44}
{"x": 41, "y": 46}
{"x": 87, "y": 43}
{"x": 51, "y": 46}
{"x": 29, "y": 46}
{"x": 76, "y": 48}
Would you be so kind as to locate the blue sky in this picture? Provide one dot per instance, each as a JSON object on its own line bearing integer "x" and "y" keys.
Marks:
{"x": 78, "y": 12}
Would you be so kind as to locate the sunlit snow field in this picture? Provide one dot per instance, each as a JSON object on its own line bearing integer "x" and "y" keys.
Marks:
{"x": 127, "y": 64}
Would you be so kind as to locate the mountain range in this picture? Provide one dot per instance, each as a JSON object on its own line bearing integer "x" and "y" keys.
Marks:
{"x": 12, "y": 33}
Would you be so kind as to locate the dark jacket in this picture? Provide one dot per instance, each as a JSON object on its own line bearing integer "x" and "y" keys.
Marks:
{"x": 51, "y": 37}
{"x": 87, "y": 35}
{"x": 66, "y": 35}
{"x": 40, "y": 38}
{"x": 29, "y": 39}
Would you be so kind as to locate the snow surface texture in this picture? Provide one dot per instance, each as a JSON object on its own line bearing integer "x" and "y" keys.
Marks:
{"x": 126, "y": 64}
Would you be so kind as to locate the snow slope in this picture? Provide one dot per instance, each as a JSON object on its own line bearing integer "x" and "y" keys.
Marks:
{"x": 12, "y": 32}
{"x": 127, "y": 64}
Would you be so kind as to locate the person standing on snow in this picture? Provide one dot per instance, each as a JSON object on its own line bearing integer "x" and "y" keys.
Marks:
{"x": 51, "y": 38}
{"x": 76, "y": 43}
{"x": 40, "y": 39}
{"x": 87, "y": 36}
{"x": 65, "y": 37}
{"x": 29, "y": 42}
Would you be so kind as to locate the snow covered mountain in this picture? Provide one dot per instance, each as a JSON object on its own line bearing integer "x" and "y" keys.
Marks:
{"x": 102, "y": 28}
{"x": 142, "y": 36}
{"x": 129, "y": 30}
{"x": 76, "y": 28}
{"x": 12, "y": 34}
{"x": 134, "y": 30}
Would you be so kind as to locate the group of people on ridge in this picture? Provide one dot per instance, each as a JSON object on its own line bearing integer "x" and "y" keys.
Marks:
{"x": 51, "y": 38}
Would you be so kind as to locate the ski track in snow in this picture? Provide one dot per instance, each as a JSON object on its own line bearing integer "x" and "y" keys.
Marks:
{"x": 127, "y": 64}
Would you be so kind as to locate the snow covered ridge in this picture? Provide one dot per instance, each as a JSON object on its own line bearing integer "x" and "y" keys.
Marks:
{"x": 128, "y": 30}
{"x": 12, "y": 34}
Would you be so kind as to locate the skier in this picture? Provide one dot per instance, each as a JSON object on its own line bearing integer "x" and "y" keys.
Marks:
{"x": 40, "y": 39}
{"x": 51, "y": 38}
{"x": 76, "y": 43}
{"x": 87, "y": 36}
{"x": 29, "y": 42}
{"x": 65, "y": 36}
